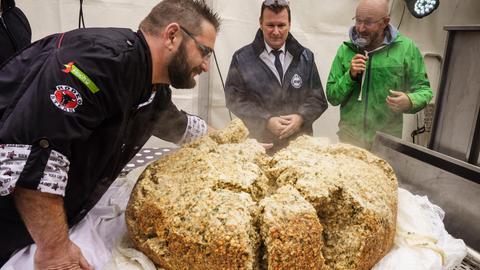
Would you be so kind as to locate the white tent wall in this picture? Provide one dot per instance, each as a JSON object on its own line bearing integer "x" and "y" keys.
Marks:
{"x": 318, "y": 24}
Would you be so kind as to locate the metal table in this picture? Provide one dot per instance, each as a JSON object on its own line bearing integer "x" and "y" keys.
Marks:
{"x": 452, "y": 184}
{"x": 144, "y": 157}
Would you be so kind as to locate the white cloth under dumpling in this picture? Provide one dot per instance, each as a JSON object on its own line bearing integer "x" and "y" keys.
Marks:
{"x": 421, "y": 241}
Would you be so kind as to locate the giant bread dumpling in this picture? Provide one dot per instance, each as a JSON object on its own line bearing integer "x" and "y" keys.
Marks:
{"x": 222, "y": 203}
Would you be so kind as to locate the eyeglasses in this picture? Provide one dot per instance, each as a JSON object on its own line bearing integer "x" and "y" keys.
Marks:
{"x": 275, "y": 2}
{"x": 367, "y": 22}
{"x": 205, "y": 51}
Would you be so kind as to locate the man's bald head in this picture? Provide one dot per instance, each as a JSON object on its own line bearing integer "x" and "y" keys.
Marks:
{"x": 372, "y": 8}
{"x": 371, "y": 20}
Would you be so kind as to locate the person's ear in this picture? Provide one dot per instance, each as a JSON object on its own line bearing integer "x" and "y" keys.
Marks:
{"x": 171, "y": 35}
{"x": 386, "y": 20}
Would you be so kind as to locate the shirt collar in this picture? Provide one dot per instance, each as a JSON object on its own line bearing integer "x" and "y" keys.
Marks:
{"x": 269, "y": 49}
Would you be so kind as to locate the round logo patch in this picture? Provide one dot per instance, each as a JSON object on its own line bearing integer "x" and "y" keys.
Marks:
{"x": 66, "y": 98}
{"x": 296, "y": 81}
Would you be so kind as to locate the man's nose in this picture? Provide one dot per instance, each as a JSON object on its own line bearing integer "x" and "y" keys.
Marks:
{"x": 276, "y": 30}
{"x": 361, "y": 27}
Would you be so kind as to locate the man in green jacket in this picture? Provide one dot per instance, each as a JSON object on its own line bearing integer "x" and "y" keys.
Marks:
{"x": 376, "y": 77}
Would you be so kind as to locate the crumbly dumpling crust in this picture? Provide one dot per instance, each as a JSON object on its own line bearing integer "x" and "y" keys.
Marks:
{"x": 221, "y": 203}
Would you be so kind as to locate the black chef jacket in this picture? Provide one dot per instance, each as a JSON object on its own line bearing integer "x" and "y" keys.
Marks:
{"x": 75, "y": 108}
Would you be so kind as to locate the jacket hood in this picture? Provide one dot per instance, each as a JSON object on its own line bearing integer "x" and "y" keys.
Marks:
{"x": 391, "y": 33}
{"x": 291, "y": 44}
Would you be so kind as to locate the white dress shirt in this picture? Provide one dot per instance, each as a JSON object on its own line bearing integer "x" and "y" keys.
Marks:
{"x": 269, "y": 58}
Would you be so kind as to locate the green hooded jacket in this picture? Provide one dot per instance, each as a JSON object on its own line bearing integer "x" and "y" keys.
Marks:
{"x": 398, "y": 66}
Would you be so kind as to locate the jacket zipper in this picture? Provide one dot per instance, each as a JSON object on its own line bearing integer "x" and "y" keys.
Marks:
{"x": 366, "y": 99}
{"x": 10, "y": 36}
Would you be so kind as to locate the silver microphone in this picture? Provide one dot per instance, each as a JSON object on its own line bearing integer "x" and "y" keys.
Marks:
{"x": 362, "y": 43}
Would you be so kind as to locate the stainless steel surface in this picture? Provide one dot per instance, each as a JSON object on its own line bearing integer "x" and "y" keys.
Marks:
{"x": 144, "y": 157}
{"x": 456, "y": 128}
{"x": 462, "y": 27}
{"x": 471, "y": 262}
{"x": 452, "y": 184}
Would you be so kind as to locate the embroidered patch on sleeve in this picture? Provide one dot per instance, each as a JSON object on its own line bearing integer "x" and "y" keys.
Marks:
{"x": 55, "y": 176}
{"x": 66, "y": 98}
{"x": 75, "y": 71}
{"x": 13, "y": 158}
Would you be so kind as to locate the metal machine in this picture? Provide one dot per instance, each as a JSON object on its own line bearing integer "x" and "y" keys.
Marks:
{"x": 448, "y": 170}
{"x": 452, "y": 184}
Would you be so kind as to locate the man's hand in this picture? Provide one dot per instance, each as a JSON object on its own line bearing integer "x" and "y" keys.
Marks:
{"x": 44, "y": 217}
{"x": 399, "y": 102}
{"x": 276, "y": 125}
{"x": 295, "y": 121}
{"x": 63, "y": 256}
{"x": 358, "y": 65}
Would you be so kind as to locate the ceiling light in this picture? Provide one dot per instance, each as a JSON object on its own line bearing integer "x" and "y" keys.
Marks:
{"x": 422, "y": 8}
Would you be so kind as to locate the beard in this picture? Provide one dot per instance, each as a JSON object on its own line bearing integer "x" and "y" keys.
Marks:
{"x": 371, "y": 39}
{"x": 179, "y": 72}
